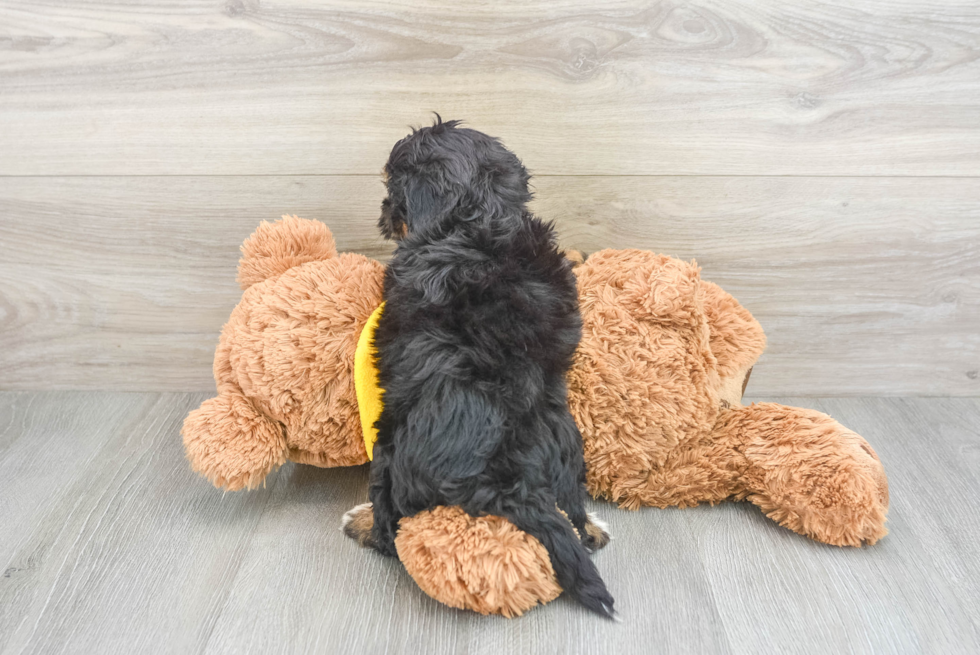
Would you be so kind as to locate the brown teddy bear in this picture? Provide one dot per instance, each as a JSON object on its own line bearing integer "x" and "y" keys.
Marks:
{"x": 655, "y": 389}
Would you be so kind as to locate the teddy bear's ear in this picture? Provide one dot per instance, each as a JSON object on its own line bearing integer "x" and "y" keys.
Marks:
{"x": 276, "y": 247}
{"x": 737, "y": 339}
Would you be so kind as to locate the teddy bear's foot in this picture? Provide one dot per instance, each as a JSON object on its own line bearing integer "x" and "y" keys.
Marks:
{"x": 233, "y": 445}
{"x": 810, "y": 474}
{"x": 484, "y": 564}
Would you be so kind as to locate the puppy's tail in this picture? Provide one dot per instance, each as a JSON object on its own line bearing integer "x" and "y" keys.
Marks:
{"x": 576, "y": 573}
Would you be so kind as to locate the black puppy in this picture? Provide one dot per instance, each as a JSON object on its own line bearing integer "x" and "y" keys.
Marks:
{"x": 480, "y": 324}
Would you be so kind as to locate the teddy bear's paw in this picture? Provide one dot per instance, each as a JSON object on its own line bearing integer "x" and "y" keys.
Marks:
{"x": 483, "y": 563}
{"x": 850, "y": 508}
{"x": 811, "y": 474}
{"x": 357, "y": 524}
{"x": 596, "y": 533}
{"x": 233, "y": 445}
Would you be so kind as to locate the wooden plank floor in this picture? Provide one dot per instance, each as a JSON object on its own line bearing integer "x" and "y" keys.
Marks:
{"x": 110, "y": 544}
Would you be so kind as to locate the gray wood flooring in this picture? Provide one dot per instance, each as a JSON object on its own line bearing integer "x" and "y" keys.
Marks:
{"x": 108, "y": 543}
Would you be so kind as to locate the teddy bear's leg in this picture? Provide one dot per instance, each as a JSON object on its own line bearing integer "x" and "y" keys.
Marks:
{"x": 231, "y": 443}
{"x": 480, "y": 563}
{"x": 484, "y": 564}
{"x": 808, "y": 472}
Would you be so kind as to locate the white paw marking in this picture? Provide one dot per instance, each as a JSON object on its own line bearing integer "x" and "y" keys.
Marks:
{"x": 594, "y": 520}
{"x": 351, "y": 513}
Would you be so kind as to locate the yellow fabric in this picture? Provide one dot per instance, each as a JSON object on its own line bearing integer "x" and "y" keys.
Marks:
{"x": 369, "y": 392}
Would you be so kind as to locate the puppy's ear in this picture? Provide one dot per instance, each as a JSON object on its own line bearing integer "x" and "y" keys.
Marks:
{"x": 428, "y": 200}
{"x": 505, "y": 183}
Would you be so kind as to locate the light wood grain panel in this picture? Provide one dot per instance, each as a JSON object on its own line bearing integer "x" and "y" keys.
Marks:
{"x": 863, "y": 285}
{"x": 631, "y": 87}
{"x": 129, "y": 551}
{"x": 124, "y": 282}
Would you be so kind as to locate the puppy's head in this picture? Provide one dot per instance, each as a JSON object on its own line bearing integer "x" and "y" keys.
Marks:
{"x": 439, "y": 175}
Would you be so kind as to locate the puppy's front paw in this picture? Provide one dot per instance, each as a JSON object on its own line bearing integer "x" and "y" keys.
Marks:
{"x": 596, "y": 533}
{"x": 357, "y": 524}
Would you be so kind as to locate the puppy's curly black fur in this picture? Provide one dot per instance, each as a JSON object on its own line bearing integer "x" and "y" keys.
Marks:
{"x": 479, "y": 328}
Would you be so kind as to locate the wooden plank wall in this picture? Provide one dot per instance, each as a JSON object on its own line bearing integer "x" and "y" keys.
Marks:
{"x": 820, "y": 161}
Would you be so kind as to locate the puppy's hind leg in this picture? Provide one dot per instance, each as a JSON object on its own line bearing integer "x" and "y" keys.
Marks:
{"x": 385, "y": 525}
{"x": 597, "y": 531}
{"x": 358, "y": 523}
{"x": 569, "y": 483}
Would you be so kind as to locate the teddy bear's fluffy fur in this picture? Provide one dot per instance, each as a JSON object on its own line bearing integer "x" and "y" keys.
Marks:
{"x": 285, "y": 360}
{"x": 655, "y": 388}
